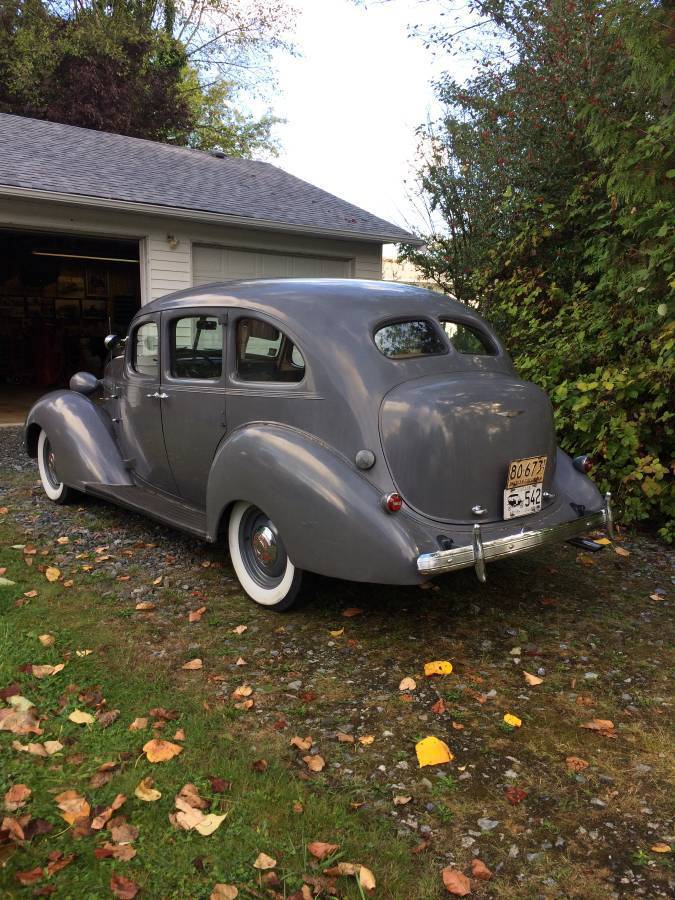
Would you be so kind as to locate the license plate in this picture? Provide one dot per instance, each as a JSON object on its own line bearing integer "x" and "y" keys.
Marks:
{"x": 522, "y": 500}
{"x": 526, "y": 471}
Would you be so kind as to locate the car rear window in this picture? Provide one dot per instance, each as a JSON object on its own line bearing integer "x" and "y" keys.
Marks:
{"x": 405, "y": 340}
{"x": 466, "y": 339}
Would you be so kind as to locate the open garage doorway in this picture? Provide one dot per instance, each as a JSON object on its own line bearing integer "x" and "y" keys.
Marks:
{"x": 59, "y": 297}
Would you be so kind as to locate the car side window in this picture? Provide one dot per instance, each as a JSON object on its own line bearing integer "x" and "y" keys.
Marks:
{"x": 466, "y": 339}
{"x": 145, "y": 357}
{"x": 266, "y": 354}
{"x": 196, "y": 347}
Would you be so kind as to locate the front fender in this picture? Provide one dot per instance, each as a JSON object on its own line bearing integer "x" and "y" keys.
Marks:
{"x": 81, "y": 434}
{"x": 328, "y": 514}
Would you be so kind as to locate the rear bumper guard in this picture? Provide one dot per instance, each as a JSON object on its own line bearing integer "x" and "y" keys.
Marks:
{"x": 479, "y": 552}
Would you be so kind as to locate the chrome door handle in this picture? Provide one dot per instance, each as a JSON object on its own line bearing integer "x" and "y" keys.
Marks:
{"x": 153, "y": 396}
{"x": 158, "y": 396}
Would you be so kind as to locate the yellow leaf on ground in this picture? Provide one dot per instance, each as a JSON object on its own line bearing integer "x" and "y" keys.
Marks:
{"x": 603, "y": 541}
{"x": 264, "y": 861}
{"x": 512, "y": 720}
{"x": 532, "y": 680}
{"x": 158, "y": 750}
{"x": 193, "y": 664}
{"x": 657, "y": 597}
{"x": 365, "y": 876}
{"x": 620, "y": 551}
{"x": 244, "y": 690}
{"x": 302, "y": 743}
{"x": 157, "y": 580}
{"x": 224, "y": 892}
{"x": 661, "y": 847}
{"x": 407, "y": 684}
{"x": 145, "y": 606}
{"x": 82, "y": 653}
{"x": 79, "y": 717}
{"x": 431, "y": 751}
{"x": 338, "y": 633}
{"x": 46, "y": 639}
{"x": 438, "y": 667}
{"x": 52, "y": 573}
{"x": 64, "y": 539}
{"x": 209, "y": 824}
{"x": 314, "y": 763}
{"x": 146, "y": 792}
{"x": 401, "y": 801}
{"x": 367, "y": 739}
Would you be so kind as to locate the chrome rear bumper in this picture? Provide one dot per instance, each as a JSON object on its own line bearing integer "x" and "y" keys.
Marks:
{"x": 479, "y": 552}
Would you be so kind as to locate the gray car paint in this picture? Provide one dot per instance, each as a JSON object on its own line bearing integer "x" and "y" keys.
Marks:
{"x": 290, "y": 447}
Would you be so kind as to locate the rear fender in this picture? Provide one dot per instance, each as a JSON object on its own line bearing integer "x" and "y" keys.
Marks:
{"x": 573, "y": 486}
{"x": 82, "y": 437}
{"x": 328, "y": 514}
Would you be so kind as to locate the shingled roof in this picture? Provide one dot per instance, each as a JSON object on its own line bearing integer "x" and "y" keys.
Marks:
{"x": 66, "y": 161}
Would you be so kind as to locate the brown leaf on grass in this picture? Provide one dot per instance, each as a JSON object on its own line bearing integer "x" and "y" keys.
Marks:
{"x": 124, "y": 833}
{"x": 244, "y": 690}
{"x": 14, "y": 827}
{"x": 30, "y": 594}
{"x": 58, "y": 861}
{"x": 224, "y": 892}
{"x": 532, "y": 680}
{"x": 37, "y": 827}
{"x": 145, "y": 606}
{"x": 103, "y": 774}
{"x": 159, "y": 712}
{"x": 458, "y": 726}
{"x": 264, "y": 862}
{"x": 146, "y": 792}
{"x": 351, "y": 611}
{"x": 123, "y": 888}
{"x": 101, "y": 820}
{"x": 33, "y": 749}
{"x": 345, "y": 738}
{"x": 195, "y": 615}
{"x": 46, "y": 639}
{"x": 220, "y": 785}
{"x": 52, "y": 573}
{"x": 479, "y": 870}
{"x": 407, "y": 684}
{"x": 302, "y": 743}
{"x": 421, "y": 847}
{"x": 298, "y": 809}
{"x": 193, "y": 664}
{"x": 4, "y": 510}
{"x": 260, "y": 765}
{"x": 621, "y": 551}
{"x": 456, "y": 882}
{"x": 245, "y": 704}
{"x": 138, "y": 724}
{"x": 30, "y": 877}
{"x": 158, "y": 750}
{"x": 605, "y": 726}
{"x": 122, "y": 852}
{"x": 308, "y": 696}
{"x": 576, "y": 763}
{"x": 365, "y": 876}
{"x": 12, "y": 690}
{"x": 439, "y": 707}
{"x": 240, "y": 629}
{"x": 16, "y": 797}
{"x": 179, "y": 735}
{"x": 73, "y": 806}
{"x": 19, "y": 721}
{"x": 189, "y": 794}
{"x": 314, "y": 763}
{"x": 320, "y": 850}
{"x": 367, "y": 739}
{"x": 515, "y": 795}
{"x": 661, "y": 847}
{"x": 105, "y": 719}
{"x": 402, "y": 801}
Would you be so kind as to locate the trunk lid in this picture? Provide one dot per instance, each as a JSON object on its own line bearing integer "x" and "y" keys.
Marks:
{"x": 448, "y": 441}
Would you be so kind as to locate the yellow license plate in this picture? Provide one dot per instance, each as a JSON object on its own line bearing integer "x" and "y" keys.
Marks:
{"x": 526, "y": 471}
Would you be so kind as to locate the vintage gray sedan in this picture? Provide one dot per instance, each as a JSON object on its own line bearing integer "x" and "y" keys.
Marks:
{"x": 362, "y": 430}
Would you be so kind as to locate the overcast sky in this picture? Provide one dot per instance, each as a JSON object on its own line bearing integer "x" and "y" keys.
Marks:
{"x": 353, "y": 99}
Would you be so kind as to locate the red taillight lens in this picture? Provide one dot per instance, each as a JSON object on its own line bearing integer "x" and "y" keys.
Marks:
{"x": 583, "y": 463}
{"x": 588, "y": 464}
{"x": 393, "y": 502}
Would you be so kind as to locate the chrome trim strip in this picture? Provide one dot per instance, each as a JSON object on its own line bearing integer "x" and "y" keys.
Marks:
{"x": 480, "y": 551}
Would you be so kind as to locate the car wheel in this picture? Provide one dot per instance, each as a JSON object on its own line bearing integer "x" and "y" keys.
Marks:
{"x": 54, "y": 488}
{"x": 260, "y": 560}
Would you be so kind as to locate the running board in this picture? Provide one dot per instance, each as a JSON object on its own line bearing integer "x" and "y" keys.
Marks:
{"x": 158, "y": 506}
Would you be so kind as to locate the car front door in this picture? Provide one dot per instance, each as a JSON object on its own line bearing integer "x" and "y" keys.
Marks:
{"x": 140, "y": 407}
{"x": 193, "y": 382}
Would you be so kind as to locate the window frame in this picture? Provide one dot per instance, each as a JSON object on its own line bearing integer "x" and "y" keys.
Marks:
{"x": 169, "y": 316}
{"x": 171, "y": 344}
{"x": 491, "y": 348}
{"x": 396, "y": 320}
{"x": 130, "y": 349}
{"x": 273, "y": 386}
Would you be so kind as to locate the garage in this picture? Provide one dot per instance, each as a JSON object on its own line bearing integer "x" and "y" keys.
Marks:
{"x": 59, "y": 297}
{"x": 220, "y": 263}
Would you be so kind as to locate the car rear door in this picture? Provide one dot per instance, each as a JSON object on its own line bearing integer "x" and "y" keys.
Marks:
{"x": 193, "y": 385}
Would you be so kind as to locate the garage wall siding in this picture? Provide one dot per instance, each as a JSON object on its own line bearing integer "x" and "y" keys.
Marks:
{"x": 165, "y": 268}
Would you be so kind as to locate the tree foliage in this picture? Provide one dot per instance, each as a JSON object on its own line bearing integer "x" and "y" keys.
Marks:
{"x": 552, "y": 174}
{"x": 160, "y": 69}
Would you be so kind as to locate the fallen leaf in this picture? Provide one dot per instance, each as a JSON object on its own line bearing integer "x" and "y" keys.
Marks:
{"x": 338, "y": 633}
{"x": 240, "y": 661}
{"x": 660, "y": 847}
{"x": 157, "y": 580}
{"x": 122, "y": 852}
{"x": 351, "y": 612}
{"x": 82, "y": 653}
{"x": 260, "y": 765}
{"x": 58, "y": 861}
{"x": 146, "y": 792}
{"x": 603, "y": 541}
{"x": 421, "y": 847}
{"x": 532, "y": 680}
{"x": 314, "y": 763}
{"x": 657, "y": 597}
{"x": 123, "y": 888}
{"x": 4, "y": 510}
{"x": 196, "y": 614}
{"x": 438, "y": 667}
{"x": 599, "y": 725}
{"x": 407, "y": 684}
{"x": 245, "y": 704}
{"x": 179, "y": 735}
{"x": 145, "y": 606}
{"x": 73, "y": 806}
{"x": 16, "y": 797}
{"x": 138, "y": 724}
{"x": 46, "y": 639}
{"x": 401, "y": 801}
{"x": 30, "y": 594}
{"x": 158, "y": 750}
{"x": 106, "y": 814}
{"x": 367, "y": 739}
{"x": 345, "y": 738}
{"x": 365, "y": 876}
{"x": 240, "y": 629}
{"x": 621, "y": 551}
{"x": 432, "y": 752}
{"x": 105, "y": 718}
{"x": 46, "y": 670}
{"x": 576, "y": 763}
{"x": 30, "y": 877}
{"x": 193, "y": 664}
{"x": 19, "y": 721}
{"x": 456, "y": 882}
{"x": 264, "y": 861}
{"x": 515, "y": 795}
{"x": 123, "y": 833}
{"x": 320, "y": 850}
{"x": 458, "y": 726}
{"x": 220, "y": 785}
{"x": 439, "y": 707}
{"x": 244, "y": 690}
{"x": 224, "y": 892}
{"x": 479, "y": 870}
{"x": 52, "y": 573}
{"x": 512, "y": 720}
{"x": 79, "y": 717}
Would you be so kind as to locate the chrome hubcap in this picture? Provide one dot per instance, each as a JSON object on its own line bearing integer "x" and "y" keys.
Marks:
{"x": 50, "y": 465}
{"x": 265, "y": 547}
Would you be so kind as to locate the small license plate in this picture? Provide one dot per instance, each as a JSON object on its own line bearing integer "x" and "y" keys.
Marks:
{"x": 526, "y": 471}
{"x": 522, "y": 500}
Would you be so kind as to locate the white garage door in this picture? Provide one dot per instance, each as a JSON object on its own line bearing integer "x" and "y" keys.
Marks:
{"x": 220, "y": 263}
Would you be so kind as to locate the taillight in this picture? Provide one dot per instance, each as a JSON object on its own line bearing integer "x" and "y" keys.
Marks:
{"x": 392, "y": 502}
{"x": 583, "y": 463}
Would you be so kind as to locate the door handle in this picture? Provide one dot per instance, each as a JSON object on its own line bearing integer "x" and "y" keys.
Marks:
{"x": 158, "y": 396}
{"x": 153, "y": 396}
{"x": 163, "y": 396}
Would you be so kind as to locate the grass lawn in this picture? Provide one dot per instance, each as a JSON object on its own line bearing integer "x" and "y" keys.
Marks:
{"x": 593, "y": 630}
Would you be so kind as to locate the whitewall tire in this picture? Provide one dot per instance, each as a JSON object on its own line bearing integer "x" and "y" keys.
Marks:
{"x": 54, "y": 488}
{"x": 259, "y": 558}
